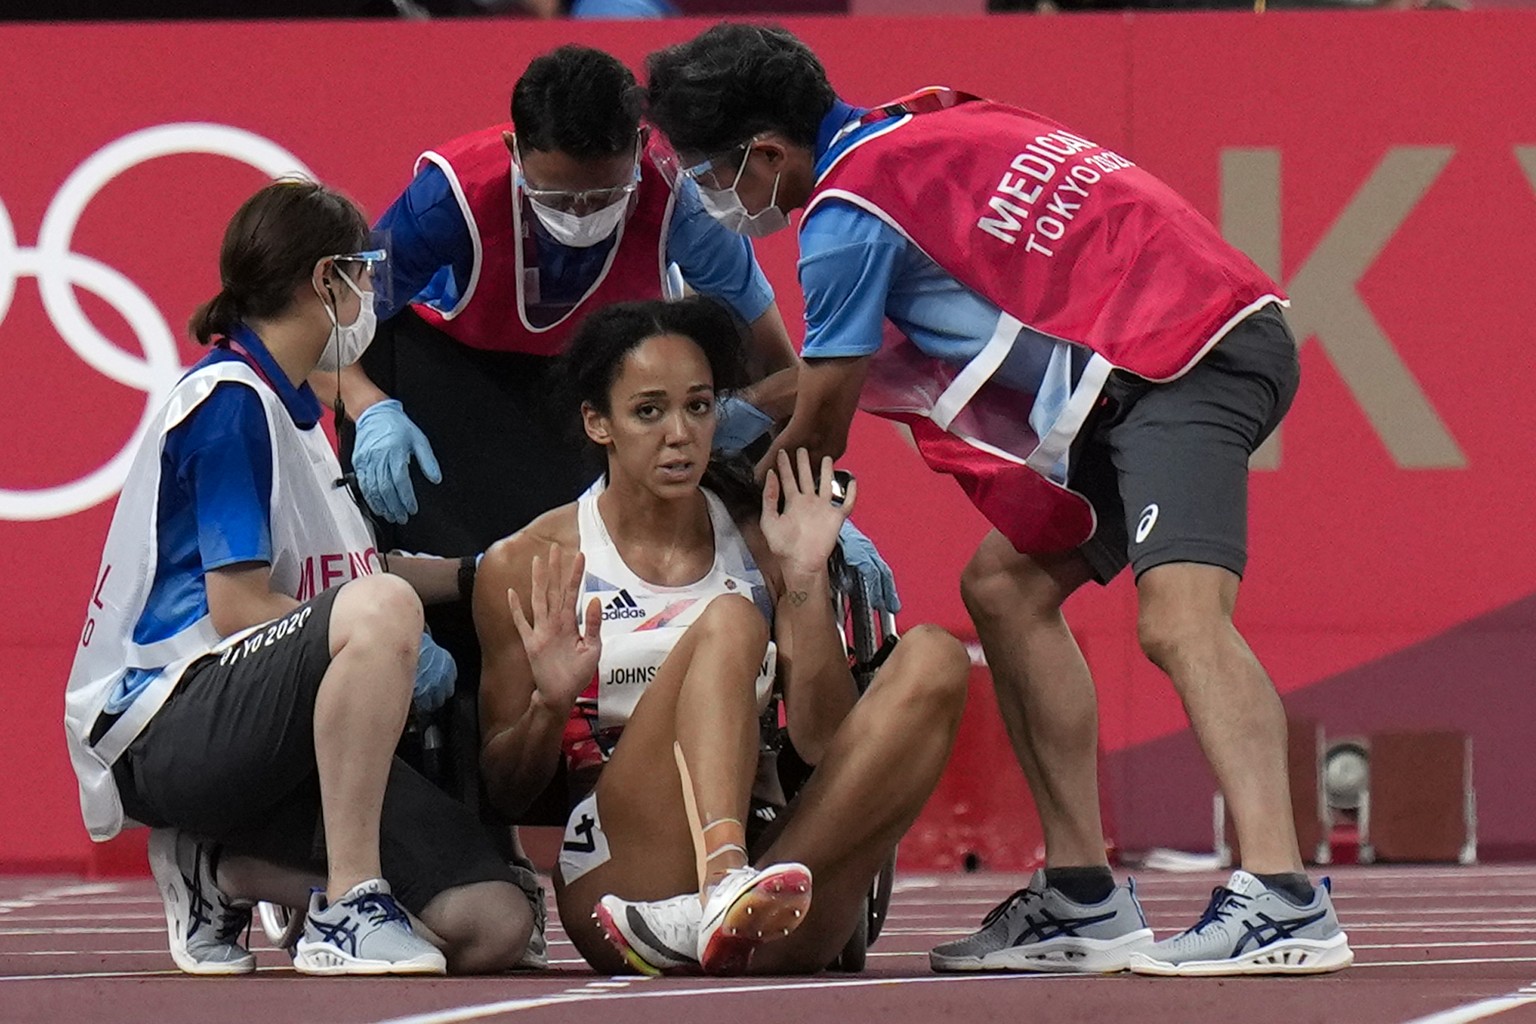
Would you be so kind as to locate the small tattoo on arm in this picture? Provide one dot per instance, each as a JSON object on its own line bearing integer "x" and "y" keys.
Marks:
{"x": 798, "y": 597}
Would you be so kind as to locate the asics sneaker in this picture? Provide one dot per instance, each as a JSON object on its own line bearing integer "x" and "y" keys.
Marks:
{"x": 1250, "y": 929}
{"x": 747, "y": 908}
{"x": 204, "y": 924}
{"x": 536, "y": 956}
{"x": 364, "y": 932}
{"x": 661, "y": 935}
{"x": 1040, "y": 929}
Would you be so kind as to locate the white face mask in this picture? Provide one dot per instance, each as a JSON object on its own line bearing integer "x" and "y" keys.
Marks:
{"x": 725, "y": 206}
{"x": 580, "y": 231}
{"x": 348, "y": 343}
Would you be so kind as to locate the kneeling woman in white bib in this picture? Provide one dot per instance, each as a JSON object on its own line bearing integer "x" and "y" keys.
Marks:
{"x": 246, "y": 668}
{"x": 636, "y": 635}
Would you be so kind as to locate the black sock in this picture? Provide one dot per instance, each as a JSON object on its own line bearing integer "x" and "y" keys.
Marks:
{"x": 1081, "y": 885}
{"x": 1293, "y": 885}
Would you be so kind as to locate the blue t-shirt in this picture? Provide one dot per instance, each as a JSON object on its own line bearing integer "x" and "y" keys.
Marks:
{"x": 215, "y": 499}
{"x": 858, "y": 271}
{"x": 622, "y": 9}
{"x": 432, "y": 254}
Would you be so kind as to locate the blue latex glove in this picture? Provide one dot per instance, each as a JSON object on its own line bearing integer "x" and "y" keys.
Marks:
{"x": 860, "y": 554}
{"x": 381, "y": 455}
{"x": 435, "y": 675}
{"x": 739, "y": 425}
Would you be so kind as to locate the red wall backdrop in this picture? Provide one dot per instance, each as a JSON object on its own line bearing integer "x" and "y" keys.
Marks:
{"x": 1382, "y": 164}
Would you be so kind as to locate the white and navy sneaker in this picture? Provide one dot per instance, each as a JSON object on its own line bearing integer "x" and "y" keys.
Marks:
{"x": 654, "y": 936}
{"x": 1249, "y": 928}
{"x": 1040, "y": 929}
{"x": 204, "y": 924}
{"x": 364, "y": 932}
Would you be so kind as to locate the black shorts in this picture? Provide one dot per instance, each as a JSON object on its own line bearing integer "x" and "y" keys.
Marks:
{"x": 230, "y": 757}
{"x": 1166, "y": 465}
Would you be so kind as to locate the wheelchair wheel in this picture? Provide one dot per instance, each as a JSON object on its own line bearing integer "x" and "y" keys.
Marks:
{"x": 283, "y": 925}
{"x": 879, "y": 900}
{"x": 854, "y": 955}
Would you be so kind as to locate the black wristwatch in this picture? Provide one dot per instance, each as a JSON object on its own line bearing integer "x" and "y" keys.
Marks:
{"x": 467, "y": 577}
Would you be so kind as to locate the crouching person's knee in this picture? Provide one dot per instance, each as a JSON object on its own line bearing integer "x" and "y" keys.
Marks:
{"x": 485, "y": 927}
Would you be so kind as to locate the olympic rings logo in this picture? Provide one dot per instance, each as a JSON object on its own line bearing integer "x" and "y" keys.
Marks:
{"x": 60, "y": 270}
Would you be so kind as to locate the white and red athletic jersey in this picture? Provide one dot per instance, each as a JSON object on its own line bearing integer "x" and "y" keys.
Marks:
{"x": 642, "y": 622}
{"x": 492, "y": 311}
{"x": 1069, "y": 240}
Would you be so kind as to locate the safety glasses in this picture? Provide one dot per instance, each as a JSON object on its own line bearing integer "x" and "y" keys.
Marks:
{"x": 367, "y": 265}
{"x": 716, "y": 173}
{"x": 579, "y": 201}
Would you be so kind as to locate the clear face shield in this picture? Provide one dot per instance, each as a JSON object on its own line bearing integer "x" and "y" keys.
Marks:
{"x": 717, "y": 178}
{"x": 366, "y": 270}
{"x": 714, "y": 173}
{"x": 363, "y": 273}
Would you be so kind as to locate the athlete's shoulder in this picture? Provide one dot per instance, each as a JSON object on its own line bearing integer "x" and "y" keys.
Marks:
{"x": 515, "y": 553}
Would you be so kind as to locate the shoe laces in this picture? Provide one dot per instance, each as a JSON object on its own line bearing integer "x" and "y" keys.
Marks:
{"x": 234, "y": 922}
{"x": 1007, "y": 905}
{"x": 675, "y": 920}
{"x": 1223, "y": 903}
{"x": 734, "y": 880}
{"x": 228, "y": 919}
{"x": 379, "y": 908}
{"x": 199, "y": 909}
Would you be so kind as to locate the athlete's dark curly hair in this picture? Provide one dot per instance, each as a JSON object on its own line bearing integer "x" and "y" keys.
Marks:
{"x": 580, "y": 101}
{"x": 735, "y": 81}
{"x": 594, "y": 359}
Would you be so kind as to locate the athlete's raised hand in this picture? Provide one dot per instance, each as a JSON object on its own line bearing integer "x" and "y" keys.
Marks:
{"x": 804, "y": 533}
{"x": 561, "y": 644}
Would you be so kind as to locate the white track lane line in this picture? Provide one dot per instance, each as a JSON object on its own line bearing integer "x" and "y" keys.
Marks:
{"x": 161, "y": 951}
{"x": 28, "y": 918}
{"x": 171, "y": 972}
{"x": 1481, "y": 1009}
{"x": 82, "y": 931}
{"x": 89, "y": 974}
{"x": 1445, "y": 963}
{"x": 457, "y": 1014}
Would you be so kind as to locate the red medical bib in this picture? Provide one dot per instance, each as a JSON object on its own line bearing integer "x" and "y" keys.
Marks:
{"x": 492, "y": 311}
{"x": 1069, "y": 240}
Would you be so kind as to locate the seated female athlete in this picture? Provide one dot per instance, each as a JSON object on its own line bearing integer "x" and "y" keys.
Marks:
{"x": 637, "y": 634}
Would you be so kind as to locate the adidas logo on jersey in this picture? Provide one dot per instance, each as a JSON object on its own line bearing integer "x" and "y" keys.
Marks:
{"x": 622, "y": 607}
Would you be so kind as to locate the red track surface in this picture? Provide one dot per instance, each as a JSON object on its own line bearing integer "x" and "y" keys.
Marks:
{"x": 1426, "y": 939}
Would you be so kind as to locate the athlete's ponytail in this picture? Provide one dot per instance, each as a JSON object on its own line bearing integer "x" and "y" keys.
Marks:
{"x": 730, "y": 477}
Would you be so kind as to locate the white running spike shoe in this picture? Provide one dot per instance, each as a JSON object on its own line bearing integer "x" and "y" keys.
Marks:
{"x": 746, "y": 908}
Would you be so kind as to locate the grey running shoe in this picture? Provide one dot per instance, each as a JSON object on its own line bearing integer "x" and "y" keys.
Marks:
{"x": 1039, "y": 929}
{"x": 656, "y": 936}
{"x": 536, "y": 956}
{"x": 204, "y": 924}
{"x": 1249, "y": 929}
{"x": 364, "y": 932}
